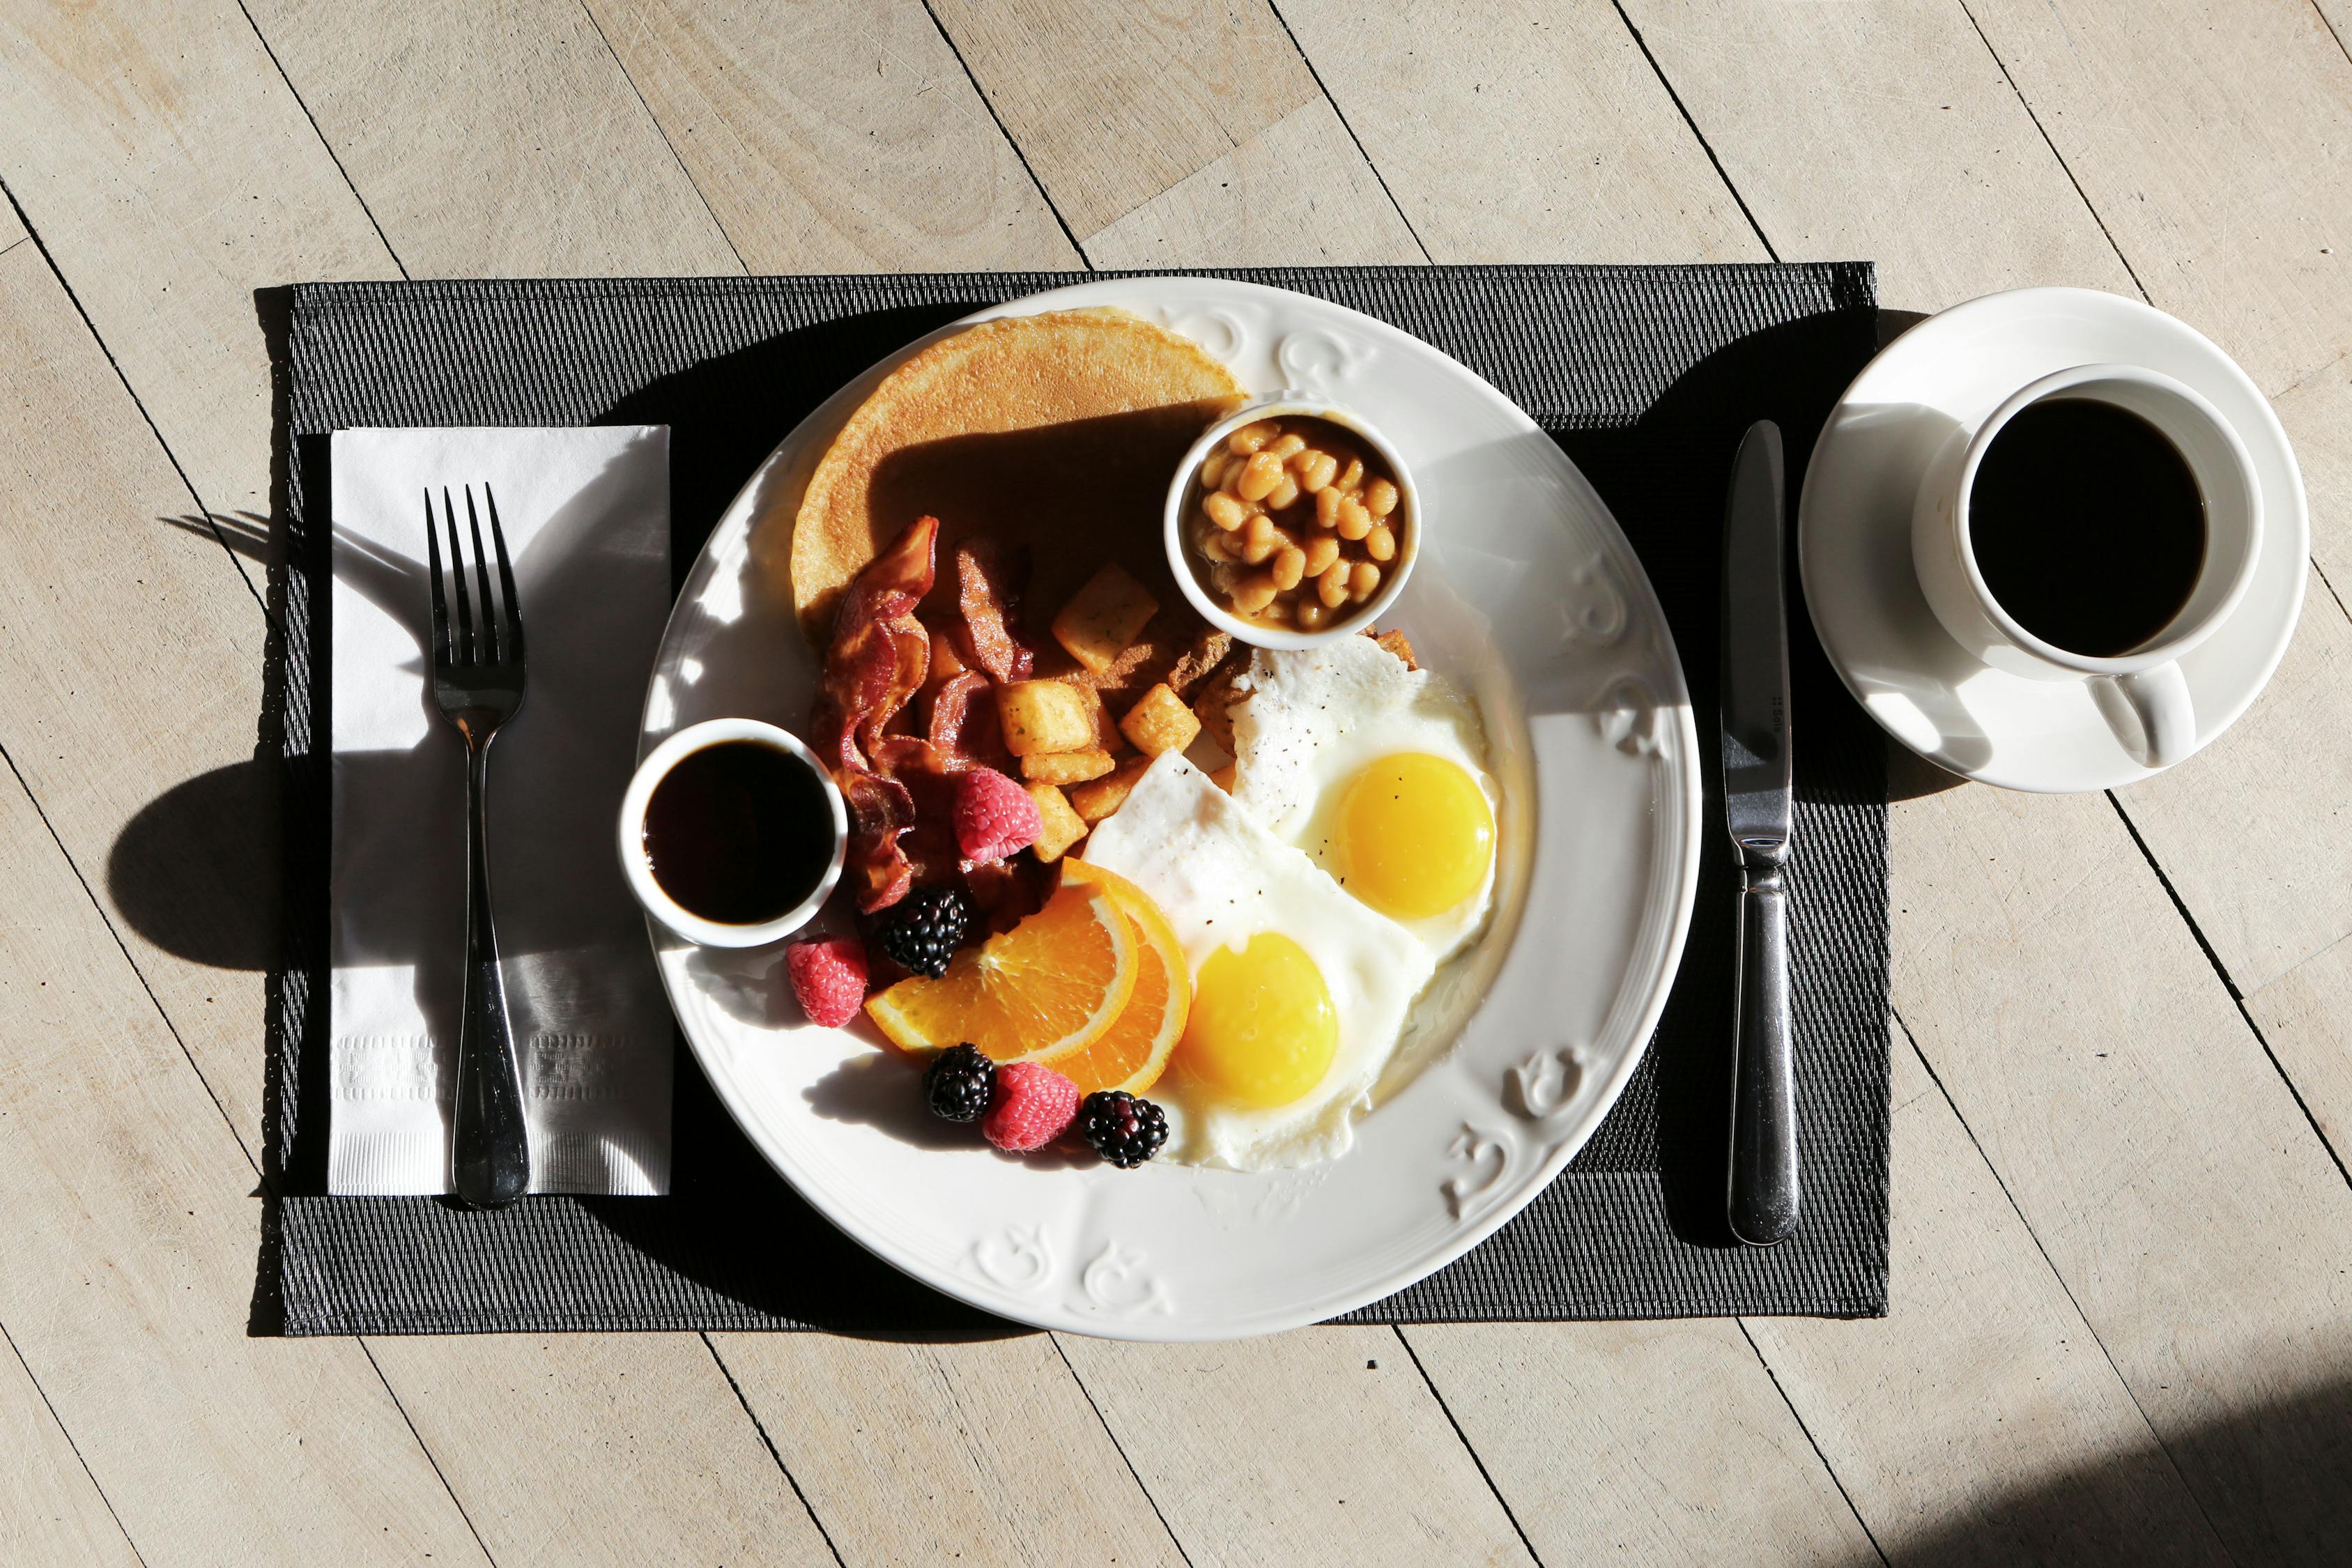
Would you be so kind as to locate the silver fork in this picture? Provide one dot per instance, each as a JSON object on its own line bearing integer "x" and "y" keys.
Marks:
{"x": 478, "y": 684}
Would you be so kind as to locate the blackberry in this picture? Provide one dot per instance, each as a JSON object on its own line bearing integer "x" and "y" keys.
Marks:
{"x": 925, "y": 929}
{"x": 960, "y": 1083}
{"x": 1124, "y": 1130}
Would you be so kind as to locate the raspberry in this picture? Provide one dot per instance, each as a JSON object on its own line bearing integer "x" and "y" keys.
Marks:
{"x": 1034, "y": 1105}
{"x": 994, "y": 816}
{"x": 828, "y": 976}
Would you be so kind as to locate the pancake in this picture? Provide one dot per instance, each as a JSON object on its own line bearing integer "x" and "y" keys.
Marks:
{"x": 1057, "y": 432}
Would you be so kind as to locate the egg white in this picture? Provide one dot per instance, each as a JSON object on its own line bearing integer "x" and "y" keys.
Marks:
{"x": 1221, "y": 877}
{"x": 1307, "y": 721}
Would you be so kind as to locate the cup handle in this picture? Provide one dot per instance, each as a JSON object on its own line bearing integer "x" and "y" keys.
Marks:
{"x": 2150, "y": 714}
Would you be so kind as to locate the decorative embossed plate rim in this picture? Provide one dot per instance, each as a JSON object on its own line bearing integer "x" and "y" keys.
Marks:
{"x": 1529, "y": 597}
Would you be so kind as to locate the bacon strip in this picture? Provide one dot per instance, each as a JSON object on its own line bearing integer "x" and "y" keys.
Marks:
{"x": 989, "y": 581}
{"x": 879, "y": 656}
{"x": 880, "y": 809}
{"x": 926, "y": 848}
{"x": 900, "y": 786}
{"x": 964, "y": 730}
{"x": 923, "y": 769}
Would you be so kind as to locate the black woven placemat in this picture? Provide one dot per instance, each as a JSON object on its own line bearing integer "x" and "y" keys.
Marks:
{"x": 1646, "y": 375}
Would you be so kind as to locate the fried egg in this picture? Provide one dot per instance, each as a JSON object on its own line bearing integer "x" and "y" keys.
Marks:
{"x": 1378, "y": 775}
{"x": 1300, "y": 990}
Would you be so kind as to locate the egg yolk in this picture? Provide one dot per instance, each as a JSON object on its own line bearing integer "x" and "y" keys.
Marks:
{"x": 1414, "y": 836}
{"x": 1262, "y": 1031}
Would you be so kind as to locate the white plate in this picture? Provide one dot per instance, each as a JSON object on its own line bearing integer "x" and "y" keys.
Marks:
{"x": 1854, "y": 538}
{"x": 1527, "y": 596}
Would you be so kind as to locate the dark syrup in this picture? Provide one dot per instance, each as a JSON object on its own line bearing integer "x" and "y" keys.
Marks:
{"x": 2087, "y": 524}
{"x": 739, "y": 832}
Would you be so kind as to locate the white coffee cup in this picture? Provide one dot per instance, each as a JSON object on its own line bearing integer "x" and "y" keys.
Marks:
{"x": 2141, "y": 693}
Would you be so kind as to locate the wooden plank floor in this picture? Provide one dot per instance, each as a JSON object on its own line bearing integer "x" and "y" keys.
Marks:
{"x": 2122, "y": 1299}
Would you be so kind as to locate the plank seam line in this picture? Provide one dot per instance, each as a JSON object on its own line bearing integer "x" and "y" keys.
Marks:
{"x": 2180, "y": 907}
{"x": 136, "y": 973}
{"x": 1120, "y": 1449}
{"x": 328, "y": 147}
{"x": 2237, "y": 998}
{"x": 769, "y": 1444}
{"x": 1657, "y": 71}
{"x": 2059, "y": 1275}
{"x": 1010, "y": 140}
{"x": 1794, "y": 1414}
{"x": 2321, "y": 572}
{"x": 1467, "y": 1447}
{"x": 659, "y": 129}
{"x": 426, "y": 1449}
{"x": 2339, "y": 363}
{"x": 2331, "y": 29}
{"x": 1346, "y": 125}
{"x": 2063, "y": 167}
{"x": 63, "y": 1431}
{"x": 57, "y": 272}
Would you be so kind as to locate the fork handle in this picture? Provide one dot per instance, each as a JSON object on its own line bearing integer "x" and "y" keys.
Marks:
{"x": 489, "y": 1154}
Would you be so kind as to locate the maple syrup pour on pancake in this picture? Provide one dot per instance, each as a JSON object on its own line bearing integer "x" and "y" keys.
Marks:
{"x": 2087, "y": 525}
{"x": 739, "y": 832}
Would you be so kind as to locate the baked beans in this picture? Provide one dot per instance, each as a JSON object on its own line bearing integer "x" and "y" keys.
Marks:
{"x": 1296, "y": 521}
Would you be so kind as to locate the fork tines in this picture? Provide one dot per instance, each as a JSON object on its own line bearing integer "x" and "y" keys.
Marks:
{"x": 494, "y": 645}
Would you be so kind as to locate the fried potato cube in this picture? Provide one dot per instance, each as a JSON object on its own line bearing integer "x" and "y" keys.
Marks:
{"x": 1064, "y": 827}
{"x": 1065, "y": 767}
{"x": 1103, "y": 617}
{"x": 1397, "y": 644}
{"x": 1216, "y": 696}
{"x": 1107, "y": 735}
{"x": 1044, "y": 716}
{"x": 1160, "y": 722}
{"x": 1223, "y": 777}
{"x": 1098, "y": 799}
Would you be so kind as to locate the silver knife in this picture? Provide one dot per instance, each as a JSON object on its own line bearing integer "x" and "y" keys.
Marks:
{"x": 1761, "y": 1197}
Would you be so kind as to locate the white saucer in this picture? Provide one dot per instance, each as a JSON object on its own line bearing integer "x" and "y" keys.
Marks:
{"x": 1854, "y": 538}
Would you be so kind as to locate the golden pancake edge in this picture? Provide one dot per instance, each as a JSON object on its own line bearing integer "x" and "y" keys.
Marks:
{"x": 1058, "y": 433}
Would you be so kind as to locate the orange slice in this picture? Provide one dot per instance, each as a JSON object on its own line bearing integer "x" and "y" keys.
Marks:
{"x": 1133, "y": 1052}
{"x": 1052, "y": 984}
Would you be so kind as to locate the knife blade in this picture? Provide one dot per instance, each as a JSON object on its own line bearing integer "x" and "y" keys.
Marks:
{"x": 1761, "y": 1197}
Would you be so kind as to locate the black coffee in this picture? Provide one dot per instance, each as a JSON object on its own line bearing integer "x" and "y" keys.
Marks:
{"x": 739, "y": 832}
{"x": 2087, "y": 524}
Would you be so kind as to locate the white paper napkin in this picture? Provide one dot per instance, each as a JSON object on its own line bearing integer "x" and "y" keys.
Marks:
{"x": 586, "y": 516}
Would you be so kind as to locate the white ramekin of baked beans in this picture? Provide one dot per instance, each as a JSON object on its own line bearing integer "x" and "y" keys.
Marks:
{"x": 1291, "y": 522}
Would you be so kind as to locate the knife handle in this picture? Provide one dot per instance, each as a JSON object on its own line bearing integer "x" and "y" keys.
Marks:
{"x": 1762, "y": 1198}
